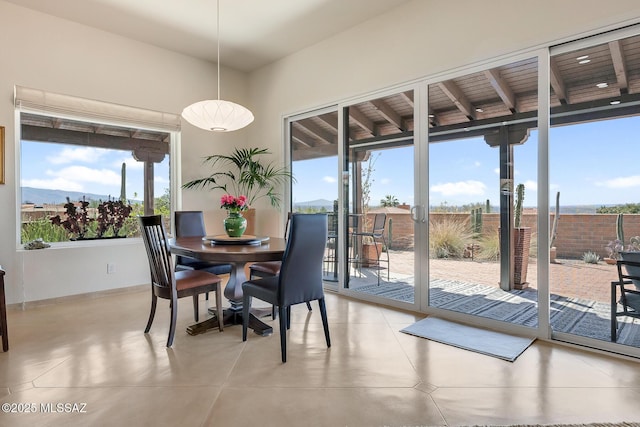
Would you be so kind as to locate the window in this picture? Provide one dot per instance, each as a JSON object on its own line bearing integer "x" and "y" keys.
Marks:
{"x": 105, "y": 173}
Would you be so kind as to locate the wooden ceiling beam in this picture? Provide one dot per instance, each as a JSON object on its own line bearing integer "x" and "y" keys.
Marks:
{"x": 388, "y": 113}
{"x": 65, "y": 136}
{"x": 619, "y": 65}
{"x": 331, "y": 120}
{"x": 456, "y": 96}
{"x": 502, "y": 89}
{"x": 302, "y": 138}
{"x": 361, "y": 120}
{"x": 408, "y": 97}
{"x": 316, "y": 131}
{"x": 557, "y": 84}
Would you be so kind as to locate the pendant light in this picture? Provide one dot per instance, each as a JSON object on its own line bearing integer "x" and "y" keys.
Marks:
{"x": 215, "y": 114}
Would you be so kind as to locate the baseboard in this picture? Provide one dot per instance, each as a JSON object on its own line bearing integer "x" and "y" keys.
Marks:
{"x": 77, "y": 297}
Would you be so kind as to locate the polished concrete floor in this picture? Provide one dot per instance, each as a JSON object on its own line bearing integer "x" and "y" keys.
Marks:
{"x": 92, "y": 352}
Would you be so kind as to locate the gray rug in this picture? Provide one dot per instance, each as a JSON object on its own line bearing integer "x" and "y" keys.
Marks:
{"x": 491, "y": 343}
{"x": 571, "y": 315}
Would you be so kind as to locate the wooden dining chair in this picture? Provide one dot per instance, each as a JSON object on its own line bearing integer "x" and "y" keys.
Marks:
{"x": 169, "y": 284}
{"x": 3, "y": 314}
{"x": 629, "y": 294}
{"x": 300, "y": 278}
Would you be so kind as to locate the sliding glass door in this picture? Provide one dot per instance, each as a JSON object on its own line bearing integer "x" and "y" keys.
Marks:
{"x": 483, "y": 193}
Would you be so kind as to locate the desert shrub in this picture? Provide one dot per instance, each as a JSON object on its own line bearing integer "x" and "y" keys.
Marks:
{"x": 590, "y": 257}
{"x": 41, "y": 228}
{"x": 489, "y": 246}
{"x": 448, "y": 238}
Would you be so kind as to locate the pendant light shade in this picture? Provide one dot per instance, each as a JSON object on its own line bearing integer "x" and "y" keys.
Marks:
{"x": 215, "y": 114}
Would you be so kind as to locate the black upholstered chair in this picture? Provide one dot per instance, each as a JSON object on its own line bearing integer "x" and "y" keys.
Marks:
{"x": 191, "y": 224}
{"x": 270, "y": 268}
{"x": 628, "y": 273}
{"x": 300, "y": 278}
{"x": 171, "y": 285}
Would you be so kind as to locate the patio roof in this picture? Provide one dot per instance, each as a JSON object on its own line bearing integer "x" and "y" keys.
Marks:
{"x": 584, "y": 83}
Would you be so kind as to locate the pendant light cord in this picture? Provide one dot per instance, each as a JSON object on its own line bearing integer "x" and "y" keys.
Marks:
{"x": 218, "y": 41}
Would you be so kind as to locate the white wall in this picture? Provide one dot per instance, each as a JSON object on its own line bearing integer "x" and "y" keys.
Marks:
{"x": 60, "y": 56}
{"x": 416, "y": 40}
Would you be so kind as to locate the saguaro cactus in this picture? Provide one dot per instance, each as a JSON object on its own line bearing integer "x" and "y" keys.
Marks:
{"x": 518, "y": 205}
{"x": 123, "y": 180}
{"x": 619, "y": 229}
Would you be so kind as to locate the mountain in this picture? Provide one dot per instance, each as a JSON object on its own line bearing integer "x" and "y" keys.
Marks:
{"x": 319, "y": 203}
{"x": 41, "y": 196}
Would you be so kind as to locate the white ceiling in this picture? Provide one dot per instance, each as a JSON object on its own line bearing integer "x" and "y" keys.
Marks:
{"x": 252, "y": 32}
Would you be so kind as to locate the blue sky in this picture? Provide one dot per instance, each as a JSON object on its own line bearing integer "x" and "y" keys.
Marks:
{"x": 86, "y": 169}
{"x": 591, "y": 163}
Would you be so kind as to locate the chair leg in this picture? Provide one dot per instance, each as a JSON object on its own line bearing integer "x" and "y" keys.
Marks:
{"x": 325, "y": 323}
{"x": 219, "y": 311}
{"x": 246, "y": 306}
{"x": 206, "y": 296}
{"x": 172, "y": 326}
{"x": 288, "y": 317}
{"x": 152, "y": 313}
{"x": 614, "y": 309}
{"x": 309, "y": 305}
{"x": 283, "y": 332}
{"x": 273, "y": 312}
{"x": 195, "y": 307}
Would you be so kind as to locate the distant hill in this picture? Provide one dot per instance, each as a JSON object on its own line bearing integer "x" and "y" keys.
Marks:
{"x": 319, "y": 203}
{"x": 41, "y": 196}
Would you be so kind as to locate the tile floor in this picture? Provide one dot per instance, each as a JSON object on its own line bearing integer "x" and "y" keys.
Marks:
{"x": 93, "y": 351}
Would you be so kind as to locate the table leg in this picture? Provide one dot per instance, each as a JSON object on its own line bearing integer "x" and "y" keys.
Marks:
{"x": 233, "y": 314}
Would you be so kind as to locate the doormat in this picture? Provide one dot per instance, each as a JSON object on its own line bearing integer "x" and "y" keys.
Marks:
{"x": 491, "y": 343}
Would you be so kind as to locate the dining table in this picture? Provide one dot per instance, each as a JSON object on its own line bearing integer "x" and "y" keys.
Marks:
{"x": 237, "y": 253}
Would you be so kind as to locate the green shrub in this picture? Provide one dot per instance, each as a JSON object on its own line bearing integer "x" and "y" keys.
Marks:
{"x": 42, "y": 228}
{"x": 448, "y": 238}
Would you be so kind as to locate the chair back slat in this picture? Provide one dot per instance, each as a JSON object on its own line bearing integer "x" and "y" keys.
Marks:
{"x": 379, "y": 221}
{"x": 155, "y": 242}
{"x": 301, "y": 271}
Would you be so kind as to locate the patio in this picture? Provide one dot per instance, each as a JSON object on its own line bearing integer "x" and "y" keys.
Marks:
{"x": 579, "y": 293}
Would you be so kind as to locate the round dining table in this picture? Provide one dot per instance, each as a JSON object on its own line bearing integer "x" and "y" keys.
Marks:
{"x": 237, "y": 255}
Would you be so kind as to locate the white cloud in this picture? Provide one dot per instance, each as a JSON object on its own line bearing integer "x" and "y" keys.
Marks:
{"x": 621, "y": 182}
{"x": 469, "y": 187}
{"x": 80, "y": 154}
{"x": 79, "y": 174}
{"x": 385, "y": 181}
{"x": 329, "y": 179}
{"x": 530, "y": 185}
{"x": 56, "y": 183}
{"x": 130, "y": 162}
{"x": 477, "y": 164}
{"x": 496, "y": 171}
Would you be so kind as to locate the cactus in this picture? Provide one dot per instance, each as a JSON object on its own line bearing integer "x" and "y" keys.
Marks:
{"x": 518, "y": 205}
{"x": 487, "y": 208}
{"x": 619, "y": 229}
{"x": 123, "y": 179}
{"x": 554, "y": 229}
{"x": 474, "y": 220}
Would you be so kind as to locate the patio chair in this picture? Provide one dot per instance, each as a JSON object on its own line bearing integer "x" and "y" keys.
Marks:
{"x": 171, "y": 285}
{"x": 375, "y": 236}
{"x": 300, "y": 278}
{"x": 629, "y": 295}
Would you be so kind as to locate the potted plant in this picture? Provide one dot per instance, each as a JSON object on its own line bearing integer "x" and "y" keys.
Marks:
{"x": 613, "y": 251}
{"x": 632, "y": 253}
{"x": 243, "y": 173}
